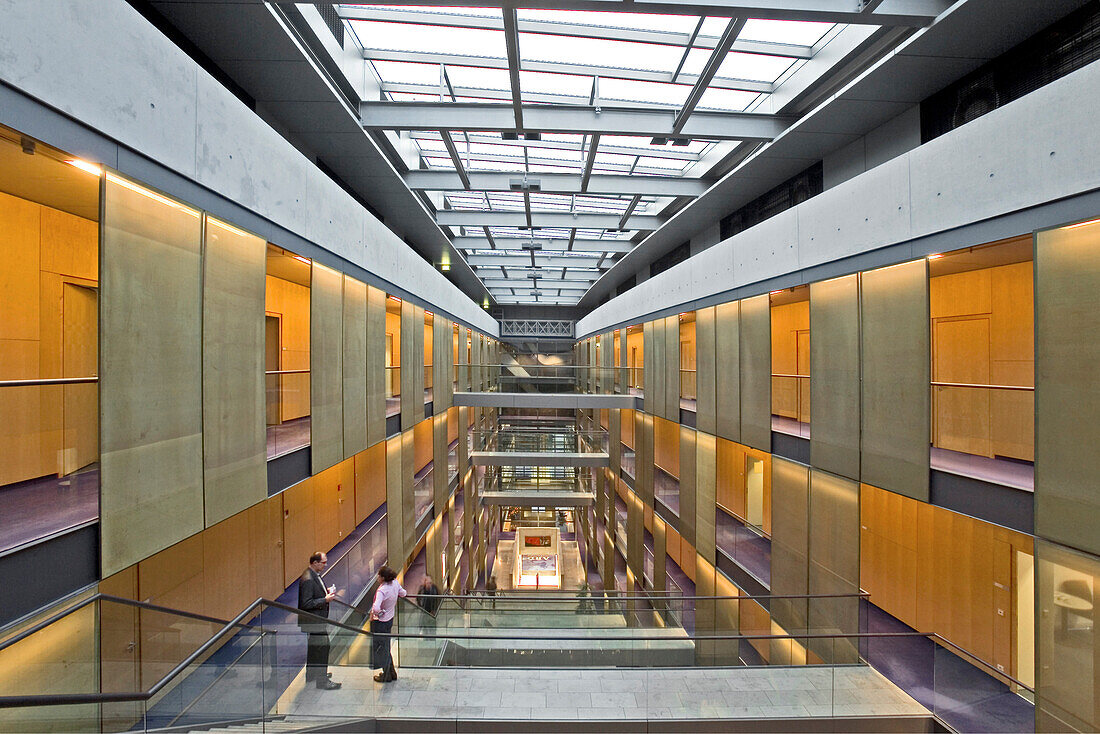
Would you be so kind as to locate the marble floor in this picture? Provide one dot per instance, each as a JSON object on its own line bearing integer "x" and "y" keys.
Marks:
{"x": 604, "y": 693}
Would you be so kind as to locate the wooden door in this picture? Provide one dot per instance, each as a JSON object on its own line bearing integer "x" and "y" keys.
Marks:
{"x": 272, "y": 361}
{"x": 80, "y": 329}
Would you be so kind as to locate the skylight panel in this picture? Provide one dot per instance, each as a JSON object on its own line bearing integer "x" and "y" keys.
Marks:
{"x": 670, "y": 164}
{"x": 642, "y": 21}
{"x": 538, "y": 167}
{"x": 754, "y": 66}
{"x": 726, "y": 100}
{"x": 570, "y": 84}
{"x": 475, "y": 12}
{"x": 626, "y": 90}
{"x": 500, "y": 166}
{"x": 405, "y": 72}
{"x": 410, "y": 97}
{"x": 802, "y": 33}
{"x": 598, "y": 52}
{"x": 475, "y": 77}
{"x": 429, "y": 38}
{"x": 445, "y": 163}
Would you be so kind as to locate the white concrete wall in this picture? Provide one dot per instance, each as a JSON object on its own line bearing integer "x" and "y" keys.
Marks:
{"x": 100, "y": 62}
{"x": 1042, "y": 147}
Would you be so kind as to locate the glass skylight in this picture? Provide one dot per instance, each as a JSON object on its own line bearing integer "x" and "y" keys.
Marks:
{"x": 638, "y": 64}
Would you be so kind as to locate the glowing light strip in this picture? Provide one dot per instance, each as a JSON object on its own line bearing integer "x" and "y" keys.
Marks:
{"x": 228, "y": 227}
{"x": 150, "y": 194}
{"x": 1083, "y": 224}
{"x": 86, "y": 167}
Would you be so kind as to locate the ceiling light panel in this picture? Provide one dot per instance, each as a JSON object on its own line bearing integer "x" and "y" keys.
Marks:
{"x": 429, "y": 38}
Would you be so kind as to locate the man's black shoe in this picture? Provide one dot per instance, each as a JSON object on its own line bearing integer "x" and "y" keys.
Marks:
{"x": 328, "y": 685}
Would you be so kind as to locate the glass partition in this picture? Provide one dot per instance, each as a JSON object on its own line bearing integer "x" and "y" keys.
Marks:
{"x": 286, "y": 360}
{"x": 49, "y": 340}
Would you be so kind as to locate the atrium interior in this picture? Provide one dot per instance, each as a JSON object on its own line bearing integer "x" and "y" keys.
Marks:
{"x": 757, "y": 344}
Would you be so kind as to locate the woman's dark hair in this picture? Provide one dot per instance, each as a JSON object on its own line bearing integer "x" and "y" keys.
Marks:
{"x": 387, "y": 574}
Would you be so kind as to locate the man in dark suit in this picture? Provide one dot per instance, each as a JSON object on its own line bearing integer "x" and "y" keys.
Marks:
{"x": 314, "y": 598}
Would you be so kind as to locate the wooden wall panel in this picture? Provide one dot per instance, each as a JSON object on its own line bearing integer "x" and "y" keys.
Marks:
{"x": 755, "y": 358}
{"x": 937, "y": 570}
{"x": 151, "y": 370}
{"x": 355, "y": 366}
{"x": 233, "y": 399}
{"x": 299, "y": 530}
{"x": 326, "y": 370}
{"x": 895, "y": 345}
{"x": 834, "y": 386}
{"x": 370, "y": 481}
{"x": 666, "y": 446}
{"x": 290, "y": 303}
{"x": 411, "y": 330}
{"x": 654, "y": 353}
{"x": 51, "y": 260}
{"x": 790, "y": 326}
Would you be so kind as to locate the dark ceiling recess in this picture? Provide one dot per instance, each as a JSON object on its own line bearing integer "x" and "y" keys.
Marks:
{"x": 673, "y": 257}
{"x": 626, "y": 285}
{"x": 1065, "y": 46}
{"x": 793, "y": 191}
{"x": 332, "y": 20}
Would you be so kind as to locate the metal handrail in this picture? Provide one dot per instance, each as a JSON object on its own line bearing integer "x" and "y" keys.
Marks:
{"x": 54, "y": 699}
{"x": 1020, "y": 388}
{"x": 779, "y": 374}
{"x": 286, "y": 372}
{"x": 50, "y": 381}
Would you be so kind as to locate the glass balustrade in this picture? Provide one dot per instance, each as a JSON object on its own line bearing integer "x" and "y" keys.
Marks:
{"x": 541, "y": 440}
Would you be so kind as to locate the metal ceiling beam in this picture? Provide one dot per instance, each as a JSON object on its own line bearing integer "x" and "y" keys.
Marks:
{"x": 562, "y": 260}
{"x": 559, "y": 183}
{"x": 548, "y": 245}
{"x": 579, "y": 30}
{"x": 750, "y": 126}
{"x": 629, "y": 210}
{"x": 590, "y": 161}
{"x": 717, "y": 56}
{"x": 611, "y": 169}
{"x": 511, "y": 42}
{"x": 911, "y": 13}
{"x": 519, "y": 285}
{"x": 453, "y": 218}
{"x": 557, "y": 67}
{"x": 647, "y": 149}
{"x": 506, "y": 95}
{"x": 453, "y": 152}
{"x": 688, "y": 47}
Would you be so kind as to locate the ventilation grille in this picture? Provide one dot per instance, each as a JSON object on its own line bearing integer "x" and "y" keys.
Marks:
{"x": 791, "y": 192}
{"x": 332, "y": 20}
{"x": 1068, "y": 45}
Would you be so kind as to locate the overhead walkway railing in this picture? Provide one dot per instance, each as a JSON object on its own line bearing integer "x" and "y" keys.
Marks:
{"x": 553, "y": 386}
{"x": 539, "y": 447}
{"x": 537, "y": 486}
{"x": 112, "y": 664}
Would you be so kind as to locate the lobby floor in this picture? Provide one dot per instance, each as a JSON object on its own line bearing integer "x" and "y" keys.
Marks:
{"x": 604, "y": 693}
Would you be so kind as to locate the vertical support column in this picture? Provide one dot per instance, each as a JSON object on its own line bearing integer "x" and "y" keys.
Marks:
{"x": 607, "y": 363}
{"x": 234, "y": 441}
{"x": 326, "y": 367}
{"x": 687, "y": 487}
{"x": 643, "y": 457}
{"x": 463, "y": 359}
{"x": 706, "y": 395}
{"x": 660, "y": 555}
{"x": 411, "y": 409}
{"x": 395, "y": 505}
{"x": 706, "y": 486}
{"x": 443, "y": 358}
{"x": 1067, "y": 504}
{"x": 895, "y": 396}
{"x": 833, "y": 565}
{"x": 727, "y": 370}
{"x": 150, "y": 438}
{"x": 408, "y": 500}
{"x": 355, "y": 366}
{"x": 624, "y": 365}
{"x": 756, "y": 373}
{"x": 672, "y": 369}
{"x": 790, "y": 551}
{"x": 376, "y": 365}
{"x": 653, "y": 339}
{"x": 834, "y": 380}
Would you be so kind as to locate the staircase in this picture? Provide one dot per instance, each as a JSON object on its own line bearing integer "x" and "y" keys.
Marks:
{"x": 283, "y": 725}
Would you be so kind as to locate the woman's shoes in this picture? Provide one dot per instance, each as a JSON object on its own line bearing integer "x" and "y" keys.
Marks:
{"x": 383, "y": 678}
